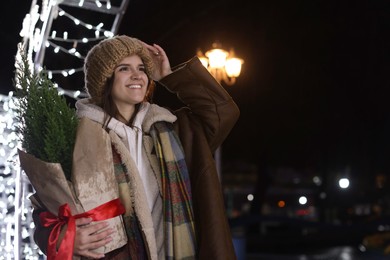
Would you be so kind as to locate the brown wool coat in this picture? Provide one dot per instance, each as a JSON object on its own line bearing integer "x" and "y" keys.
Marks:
{"x": 202, "y": 126}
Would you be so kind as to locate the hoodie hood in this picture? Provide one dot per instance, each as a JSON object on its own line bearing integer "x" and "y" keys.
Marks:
{"x": 146, "y": 117}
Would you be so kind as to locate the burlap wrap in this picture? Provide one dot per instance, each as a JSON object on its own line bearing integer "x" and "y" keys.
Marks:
{"x": 93, "y": 180}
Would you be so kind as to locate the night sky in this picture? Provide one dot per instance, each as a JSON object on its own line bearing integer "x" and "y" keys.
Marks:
{"x": 314, "y": 87}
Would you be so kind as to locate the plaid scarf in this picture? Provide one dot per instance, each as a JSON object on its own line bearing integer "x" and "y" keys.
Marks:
{"x": 180, "y": 242}
{"x": 135, "y": 248}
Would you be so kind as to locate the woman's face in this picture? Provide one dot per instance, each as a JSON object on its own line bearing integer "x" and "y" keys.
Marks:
{"x": 130, "y": 83}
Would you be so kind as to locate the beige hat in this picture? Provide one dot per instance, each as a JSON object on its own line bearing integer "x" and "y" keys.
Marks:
{"x": 102, "y": 59}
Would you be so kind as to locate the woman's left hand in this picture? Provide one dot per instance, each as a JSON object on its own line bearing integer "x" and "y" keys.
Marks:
{"x": 162, "y": 66}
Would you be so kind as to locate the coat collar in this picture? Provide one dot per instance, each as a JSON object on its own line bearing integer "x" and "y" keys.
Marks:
{"x": 147, "y": 116}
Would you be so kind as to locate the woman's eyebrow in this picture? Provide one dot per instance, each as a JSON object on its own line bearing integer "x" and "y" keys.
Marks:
{"x": 122, "y": 64}
{"x": 127, "y": 64}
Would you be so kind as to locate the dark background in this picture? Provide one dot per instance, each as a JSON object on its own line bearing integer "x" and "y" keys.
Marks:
{"x": 314, "y": 86}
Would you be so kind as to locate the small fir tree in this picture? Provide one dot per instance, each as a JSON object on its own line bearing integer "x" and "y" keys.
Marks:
{"x": 47, "y": 124}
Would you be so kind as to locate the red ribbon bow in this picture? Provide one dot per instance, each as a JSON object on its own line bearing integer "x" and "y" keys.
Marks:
{"x": 107, "y": 210}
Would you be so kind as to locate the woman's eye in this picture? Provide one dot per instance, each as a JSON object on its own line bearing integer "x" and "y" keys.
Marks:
{"x": 142, "y": 69}
{"x": 124, "y": 68}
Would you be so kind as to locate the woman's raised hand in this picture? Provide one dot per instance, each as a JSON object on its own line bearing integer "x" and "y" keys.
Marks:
{"x": 162, "y": 66}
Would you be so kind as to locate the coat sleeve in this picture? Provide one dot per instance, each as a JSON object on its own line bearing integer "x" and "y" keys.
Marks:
{"x": 202, "y": 126}
{"x": 206, "y": 99}
{"x": 41, "y": 233}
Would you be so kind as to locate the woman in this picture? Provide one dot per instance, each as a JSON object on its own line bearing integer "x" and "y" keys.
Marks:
{"x": 162, "y": 160}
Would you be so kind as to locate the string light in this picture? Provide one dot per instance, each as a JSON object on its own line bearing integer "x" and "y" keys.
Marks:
{"x": 83, "y": 40}
{"x": 16, "y": 226}
{"x": 71, "y": 51}
{"x": 63, "y": 72}
{"x": 98, "y": 4}
{"x": 57, "y": 48}
{"x": 78, "y": 21}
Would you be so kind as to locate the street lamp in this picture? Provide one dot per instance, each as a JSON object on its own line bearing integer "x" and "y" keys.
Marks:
{"x": 223, "y": 65}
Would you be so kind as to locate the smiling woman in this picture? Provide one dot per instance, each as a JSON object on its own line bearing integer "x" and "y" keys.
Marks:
{"x": 160, "y": 160}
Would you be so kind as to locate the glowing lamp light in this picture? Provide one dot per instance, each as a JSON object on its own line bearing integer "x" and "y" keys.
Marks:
{"x": 217, "y": 58}
{"x": 223, "y": 65}
{"x": 344, "y": 183}
{"x": 233, "y": 67}
{"x": 302, "y": 200}
{"x": 281, "y": 203}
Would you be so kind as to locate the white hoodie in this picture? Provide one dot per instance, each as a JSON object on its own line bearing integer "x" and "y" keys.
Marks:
{"x": 133, "y": 136}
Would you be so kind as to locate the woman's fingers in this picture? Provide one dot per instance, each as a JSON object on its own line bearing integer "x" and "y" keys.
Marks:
{"x": 92, "y": 233}
{"x": 100, "y": 242}
{"x": 159, "y": 50}
{"x": 90, "y": 237}
{"x": 89, "y": 253}
{"x": 152, "y": 49}
{"x": 160, "y": 60}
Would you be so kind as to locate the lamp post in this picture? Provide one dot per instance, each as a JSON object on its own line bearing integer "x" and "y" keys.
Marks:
{"x": 224, "y": 66}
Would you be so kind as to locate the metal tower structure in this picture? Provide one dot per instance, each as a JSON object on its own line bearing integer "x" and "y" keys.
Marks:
{"x": 58, "y": 33}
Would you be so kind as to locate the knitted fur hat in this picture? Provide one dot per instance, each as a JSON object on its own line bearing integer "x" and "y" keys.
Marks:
{"x": 102, "y": 59}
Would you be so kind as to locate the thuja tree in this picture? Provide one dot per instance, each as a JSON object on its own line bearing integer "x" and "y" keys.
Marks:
{"x": 47, "y": 124}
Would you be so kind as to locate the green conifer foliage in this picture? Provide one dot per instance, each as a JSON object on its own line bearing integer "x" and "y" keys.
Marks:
{"x": 47, "y": 124}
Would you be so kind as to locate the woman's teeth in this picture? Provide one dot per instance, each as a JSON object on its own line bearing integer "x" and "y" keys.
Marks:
{"x": 134, "y": 86}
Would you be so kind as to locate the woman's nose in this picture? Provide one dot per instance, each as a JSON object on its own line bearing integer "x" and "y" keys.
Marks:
{"x": 135, "y": 75}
